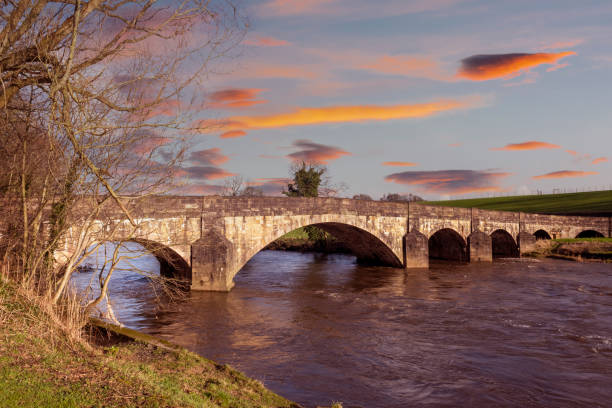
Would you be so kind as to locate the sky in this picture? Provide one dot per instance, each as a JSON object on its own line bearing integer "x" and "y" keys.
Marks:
{"x": 439, "y": 98}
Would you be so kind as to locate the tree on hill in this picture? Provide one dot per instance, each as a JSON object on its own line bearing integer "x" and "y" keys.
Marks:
{"x": 399, "y": 198}
{"x": 362, "y": 197}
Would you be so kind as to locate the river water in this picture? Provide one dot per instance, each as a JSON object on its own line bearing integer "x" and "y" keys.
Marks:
{"x": 319, "y": 328}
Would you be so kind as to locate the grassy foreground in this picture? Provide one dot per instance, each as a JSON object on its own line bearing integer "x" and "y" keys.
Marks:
{"x": 589, "y": 203}
{"x": 42, "y": 364}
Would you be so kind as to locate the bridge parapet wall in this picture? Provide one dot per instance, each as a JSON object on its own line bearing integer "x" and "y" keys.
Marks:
{"x": 558, "y": 226}
{"x": 428, "y": 219}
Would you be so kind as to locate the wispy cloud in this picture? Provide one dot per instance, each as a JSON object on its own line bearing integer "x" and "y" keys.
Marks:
{"x": 531, "y": 145}
{"x": 450, "y": 181}
{"x": 399, "y": 164}
{"x": 344, "y": 114}
{"x": 315, "y": 152}
{"x": 209, "y": 156}
{"x": 493, "y": 66}
{"x": 599, "y": 160}
{"x": 565, "y": 174}
{"x": 265, "y": 41}
{"x": 231, "y": 134}
{"x": 235, "y": 98}
{"x": 408, "y": 65}
{"x": 206, "y": 172}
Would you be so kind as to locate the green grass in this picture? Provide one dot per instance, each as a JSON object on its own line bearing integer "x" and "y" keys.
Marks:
{"x": 41, "y": 366}
{"x": 572, "y": 240}
{"x": 295, "y": 234}
{"x": 590, "y": 203}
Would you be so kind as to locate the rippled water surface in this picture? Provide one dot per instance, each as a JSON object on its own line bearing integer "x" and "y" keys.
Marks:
{"x": 318, "y": 328}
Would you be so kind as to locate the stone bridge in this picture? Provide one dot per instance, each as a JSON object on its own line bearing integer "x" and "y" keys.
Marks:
{"x": 207, "y": 240}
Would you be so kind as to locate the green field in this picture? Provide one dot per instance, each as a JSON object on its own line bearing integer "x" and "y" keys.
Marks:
{"x": 591, "y": 203}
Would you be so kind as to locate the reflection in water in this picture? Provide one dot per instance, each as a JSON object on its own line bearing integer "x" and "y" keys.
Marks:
{"x": 319, "y": 328}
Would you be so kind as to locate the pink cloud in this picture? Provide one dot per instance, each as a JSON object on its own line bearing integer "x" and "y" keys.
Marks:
{"x": 314, "y": 152}
{"x": 565, "y": 174}
{"x": 209, "y": 156}
{"x": 235, "y": 98}
{"x": 599, "y": 160}
{"x": 450, "y": 181}
{"x": 261, "y": 41}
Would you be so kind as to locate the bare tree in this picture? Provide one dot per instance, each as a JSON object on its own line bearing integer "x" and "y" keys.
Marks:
{"x": 233, "y": 186}
{"x": 92, "y": 103}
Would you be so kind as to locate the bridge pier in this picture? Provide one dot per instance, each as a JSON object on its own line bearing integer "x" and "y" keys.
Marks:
{"x": 526, "y": 242}
{"x": 212, "y": 260}
{"x": 480, "y": 247}
{"x": 416, "y": 250}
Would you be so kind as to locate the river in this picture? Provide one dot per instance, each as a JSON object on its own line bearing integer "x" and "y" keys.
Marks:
{"x": 319, "y": 328}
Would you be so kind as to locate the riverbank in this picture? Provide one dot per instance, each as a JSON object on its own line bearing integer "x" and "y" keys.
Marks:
{"x": 298, "y": 240}
{"x": 578, "y": 249}
{"x": 44, "y": 363}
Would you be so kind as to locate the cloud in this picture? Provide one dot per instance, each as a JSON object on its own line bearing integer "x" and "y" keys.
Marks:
{"x": 232, "y": 134}
{"x": 493, "y": 66}
{"x": 563, "y": 44}
{"x": 532, "y": 145}
{"x": 261, "y": 41}
{"x": 450, "y": 181}
{"x": 314, "y": 152}
{"x": 344, "y": 114}
{"x": 147, "y": 145}
{"x": 408, "y": 65}
{"x": 350, "y": 8}
{"x": 288, "y": 71}
{"x": 565, "y": 174}
{"x": 294, "y": 7}
{"x": 209, "y": 156}
{"x": 572, "y": 152}
{"x": 599, "y": 160}
{"x": 270, "y": 186}
{"x": 458, "y": 144}
{"x": 235, "y": 98}
{"x": 399, "y": 164}
{"x": 206, "y": 172}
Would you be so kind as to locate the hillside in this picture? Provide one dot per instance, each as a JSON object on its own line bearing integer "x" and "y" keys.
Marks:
{"x": 589, "y": 203}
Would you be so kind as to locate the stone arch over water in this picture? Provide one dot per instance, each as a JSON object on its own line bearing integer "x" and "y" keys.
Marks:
{"x": 590, "y": 234}
{"x": 541, "y": 234}
{"x": 448, "y": 244}
{"x": 503, "y": 245}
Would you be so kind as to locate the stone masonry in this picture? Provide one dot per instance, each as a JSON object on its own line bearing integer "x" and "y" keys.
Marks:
{"x": 207, "y": 240}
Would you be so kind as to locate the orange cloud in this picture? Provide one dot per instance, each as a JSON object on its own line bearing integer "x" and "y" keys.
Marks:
{"x": 407, "y": 65}
{"x": 533, "y": 145}
{"x": 399, "y": 164}
{"x": 455, "y": 144}
{"x": 572, "y": 152}
{"x": 486, "y": 67}
{"x": 450, "y": 181}
{"x": 565, "y": 174}
{"x": 314, "y": 152}
{"x": 599, "y": 160}
{"x": 232, "y": 134}
{"x": 344, "y": 114}
{"x": 235, "y": 98}
{"x": 259, "y": 41}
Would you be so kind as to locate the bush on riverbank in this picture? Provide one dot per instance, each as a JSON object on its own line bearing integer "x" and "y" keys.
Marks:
{"x": 44, "y": 363}
{"x": 575, "y": 249}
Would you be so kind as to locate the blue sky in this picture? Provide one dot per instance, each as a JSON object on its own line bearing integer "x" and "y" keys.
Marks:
{"x": 412, "y": 96}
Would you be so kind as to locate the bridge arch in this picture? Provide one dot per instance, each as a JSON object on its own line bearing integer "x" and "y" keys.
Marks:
{"x": 541, "y": 234}
{"x": 448, "y": 244}
{"x": 590, "y": 234}
{"x": 364, "y": 244}
{"x": 503, "y": 245}
{"x": 171, "y": 263}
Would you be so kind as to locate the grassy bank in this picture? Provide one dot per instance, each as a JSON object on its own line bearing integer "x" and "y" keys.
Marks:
{"x": 44, "y": 364}
{"x": 578, "y": 249}
{"x": 590, "y": 203}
